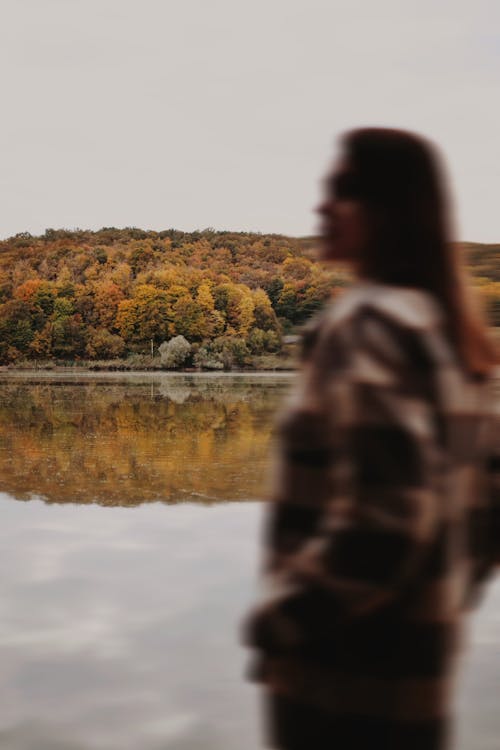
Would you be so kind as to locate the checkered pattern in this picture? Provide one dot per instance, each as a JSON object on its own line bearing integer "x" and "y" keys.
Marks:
{"x": 384, "y": 520}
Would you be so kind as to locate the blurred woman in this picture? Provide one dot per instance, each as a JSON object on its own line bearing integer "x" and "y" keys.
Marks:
{"x": 383, "y": 525}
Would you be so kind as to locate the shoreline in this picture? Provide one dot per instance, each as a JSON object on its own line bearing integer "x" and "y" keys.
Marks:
{"x": 73, "y": 371}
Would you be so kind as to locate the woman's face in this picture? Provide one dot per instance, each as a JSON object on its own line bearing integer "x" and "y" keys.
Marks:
{"x": 343, "y": 226}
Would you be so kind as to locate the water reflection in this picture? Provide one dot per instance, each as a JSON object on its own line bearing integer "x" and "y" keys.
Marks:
{"x": 129, "y": 440}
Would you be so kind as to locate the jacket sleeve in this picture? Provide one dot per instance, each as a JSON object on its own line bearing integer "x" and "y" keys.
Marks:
{"x": 357, "y": 509}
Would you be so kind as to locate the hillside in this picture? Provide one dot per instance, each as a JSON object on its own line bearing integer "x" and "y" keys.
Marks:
{"x": 116, "y": 293}
{"x": 106, "y": 294}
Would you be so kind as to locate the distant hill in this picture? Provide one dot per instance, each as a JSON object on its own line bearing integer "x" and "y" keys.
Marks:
{"x": 107, "y": 294}
{"x": 116, "y": 293}
{"x": 484, "y": 260}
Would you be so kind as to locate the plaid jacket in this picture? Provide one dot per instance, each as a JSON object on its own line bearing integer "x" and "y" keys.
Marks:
{"x": 384, "y": 522}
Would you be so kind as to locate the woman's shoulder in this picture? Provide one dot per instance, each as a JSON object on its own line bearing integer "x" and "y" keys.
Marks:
{"x": 403, "y": 306}
{"x": 395, "y": 323}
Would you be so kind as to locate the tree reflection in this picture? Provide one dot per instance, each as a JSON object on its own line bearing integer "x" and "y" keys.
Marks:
{"x": 124, "y": 444}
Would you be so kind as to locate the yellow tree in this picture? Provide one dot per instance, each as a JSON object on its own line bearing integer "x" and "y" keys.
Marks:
{"x": 246, "y": 308}
{"x": 121, "y": 275}
{"x": 107, "y": 298}
{"x": 146, "y": 316}
{"x": 236, "y": 302}
{"x": 265, "y": 317}
{"x": 212, "y": 319}
{"x": 204, "y": 297}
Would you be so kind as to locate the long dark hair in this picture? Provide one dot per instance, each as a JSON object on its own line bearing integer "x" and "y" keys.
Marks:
{"x": 400, "y": 180}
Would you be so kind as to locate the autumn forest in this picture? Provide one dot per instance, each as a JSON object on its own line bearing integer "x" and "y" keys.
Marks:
{"x": 205, "y": 299}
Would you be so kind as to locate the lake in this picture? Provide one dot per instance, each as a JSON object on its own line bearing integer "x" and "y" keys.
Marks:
{"x": 129, "y": 549}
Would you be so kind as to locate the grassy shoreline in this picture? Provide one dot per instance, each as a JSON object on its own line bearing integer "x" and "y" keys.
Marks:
{"x": 264, "y": 363}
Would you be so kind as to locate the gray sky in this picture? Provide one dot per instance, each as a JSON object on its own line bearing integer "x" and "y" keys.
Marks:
{"x": 224, "y": 113}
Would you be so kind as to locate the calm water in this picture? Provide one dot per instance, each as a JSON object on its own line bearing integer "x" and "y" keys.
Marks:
{"x": 133, "y": 554}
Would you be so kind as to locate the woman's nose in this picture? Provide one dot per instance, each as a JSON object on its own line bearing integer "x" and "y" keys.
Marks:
{"x": 325, "y": 208}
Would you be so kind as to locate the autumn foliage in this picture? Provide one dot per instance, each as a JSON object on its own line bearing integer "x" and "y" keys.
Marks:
{"x": 73, "y": 295}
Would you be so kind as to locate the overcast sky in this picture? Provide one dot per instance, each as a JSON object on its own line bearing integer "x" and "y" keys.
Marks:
{"x": 224, "y": 113}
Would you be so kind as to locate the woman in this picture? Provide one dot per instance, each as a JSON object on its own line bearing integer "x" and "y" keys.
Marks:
{"x": 382, "y": 527}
